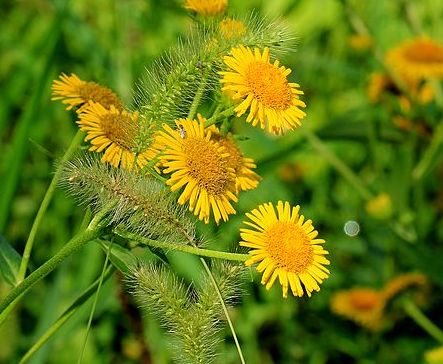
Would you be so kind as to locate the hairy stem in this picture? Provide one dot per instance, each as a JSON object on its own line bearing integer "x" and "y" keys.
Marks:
{"x": 200, "y": 92}
{"x": 44, "y": 205}
{"x": 183, "y": 248}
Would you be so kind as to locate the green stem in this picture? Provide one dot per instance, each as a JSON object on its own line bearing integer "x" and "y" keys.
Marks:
{"x": 200, "y": 92}
{"x": 65, "y": 316}
{"x": 213, "y": 119}
{"x": 225, "y": 311}
{"x": 417, "y": 315}
{"x": 44, "y": 205}
{"x": 94, "y": 305}
{"x": 337, "y": 163}
{"x": 72, "y": 246}
{"x": 430, "y": 154}
{"x": 183, "y": 248}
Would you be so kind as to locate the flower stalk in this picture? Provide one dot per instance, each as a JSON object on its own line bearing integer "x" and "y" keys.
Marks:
{"x": 140, "y": 240}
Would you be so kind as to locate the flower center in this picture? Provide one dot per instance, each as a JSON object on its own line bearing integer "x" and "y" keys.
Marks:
{"x": 289, "y": 246}
{"x": 91, "y": 91}
{"x": 268, "y": 85}
{"x": 425, "y": 52}
{"x": 121, "y": 129}
{"x": 364, "y": 299}
{"x": 206, "y": 166}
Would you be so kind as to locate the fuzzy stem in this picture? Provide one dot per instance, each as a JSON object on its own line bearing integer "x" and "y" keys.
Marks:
{"x": 225, "y": 311}
{"x": 44, "y": 205}
{"x": 65, "y": 316}
{"x": 417, "y": 315}
{"x": 337, "y": 163}
{"x": 183, "y": 248}
{"x": 199, "y": 93}
{"x": 72, "y": 246}
{"x": 213, "y": 119}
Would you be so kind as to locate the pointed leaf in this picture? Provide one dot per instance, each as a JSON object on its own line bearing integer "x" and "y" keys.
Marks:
{"x": 9, "y": 261}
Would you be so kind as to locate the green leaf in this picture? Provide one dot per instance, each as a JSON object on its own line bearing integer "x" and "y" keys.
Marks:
{"x": 122, "y": 258}
{"x": 9, "y": 261}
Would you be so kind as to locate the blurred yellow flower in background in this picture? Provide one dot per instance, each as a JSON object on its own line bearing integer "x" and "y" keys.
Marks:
{"x": 361, "y": 305}
{"x": 418, "y": 58}
{"x": 207, "y": 7}
{"x": 232, "y": 28}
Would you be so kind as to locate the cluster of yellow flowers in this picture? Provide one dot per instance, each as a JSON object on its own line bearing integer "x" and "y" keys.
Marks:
{"x": 207, "y": 165}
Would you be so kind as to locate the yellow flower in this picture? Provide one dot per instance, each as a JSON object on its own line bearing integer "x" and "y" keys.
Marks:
{"x": 286, "y": 247}
{"x": 207, "y": 7}
{"x": 418, "y": 58}
{"x": 263, "y": 88}
{"x": 75, "y": 92}
{"x": 245, "y": 177}
{"x": 380, "y": 207}
{"x": 378, "y": 83}
{"x": 360, "y": 42}
{"x": 232, "y": 29}
{"x": 114, "y": 132}
{"x": 402, "y": 282}
{"x": 201, "y": 165}
{"x": 362, "y": 305}
{"x": 434, "y": 356}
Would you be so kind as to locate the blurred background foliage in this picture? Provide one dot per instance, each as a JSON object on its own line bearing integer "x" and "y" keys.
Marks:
{"x": 111, "y": 42}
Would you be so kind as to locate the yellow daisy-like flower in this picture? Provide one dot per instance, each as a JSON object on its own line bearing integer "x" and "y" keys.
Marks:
{"x": 364, "y": 306}
{"x": 75, "y": 92}
{"x": 232, "y": 29}
{"x": 245, "y": 177}
{"x": 114, "y": 132}
{"x": 263, "y": 88}
{"x": 207, "y": 7}
{"x": 286, "y": 247}
{"x": 419, "y": 58}
{"x": 201, "y": 165}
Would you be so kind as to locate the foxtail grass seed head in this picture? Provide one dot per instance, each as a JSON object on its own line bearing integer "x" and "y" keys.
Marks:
{"x": 262, "y": 88}
{"x": 285, "y": 246}
{"x": 200, "y": 165}
{"x": 419, "y": 58}
{"x": 206, "y": 7}
{"x": 142, "y": 204}
{"x": 364, "y": 306}
{"x": 74, "y": 92}
{"x": 114, "y": 132}
{"x": 191, "y": 314}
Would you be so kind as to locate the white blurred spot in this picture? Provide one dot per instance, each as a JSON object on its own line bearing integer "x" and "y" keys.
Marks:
{"x": 351, "y": 228}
